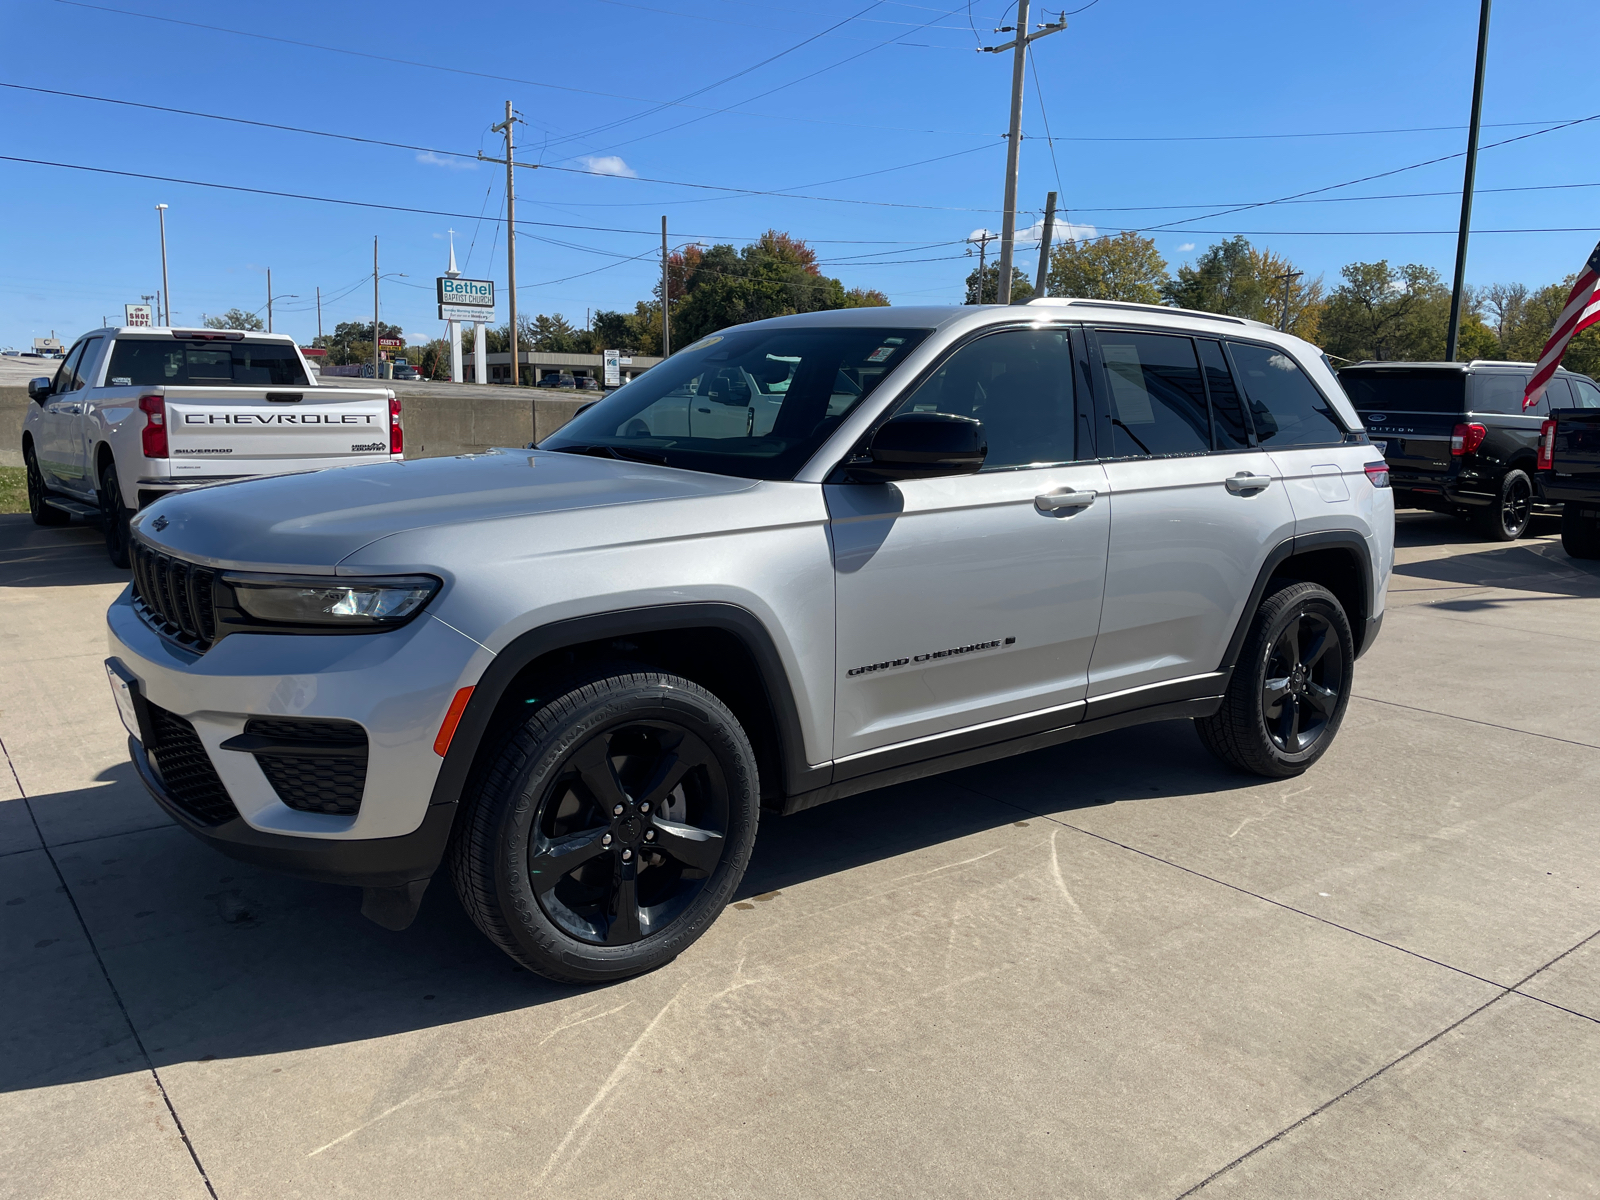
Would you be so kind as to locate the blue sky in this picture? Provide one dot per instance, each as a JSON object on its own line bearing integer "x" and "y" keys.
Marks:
{"x": 1152, "y": 104}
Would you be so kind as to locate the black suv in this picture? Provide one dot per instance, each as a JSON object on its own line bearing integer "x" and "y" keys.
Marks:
{"x": 1456, "y": 438}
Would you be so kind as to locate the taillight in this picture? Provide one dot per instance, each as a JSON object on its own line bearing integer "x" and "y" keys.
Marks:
{"x": 154, "y": 435}
{"x": 397, "y": 435}
{"x": 1464, "y": 439}
{"x": 1378, "y": 473}
{"x": 1547, "y": 446}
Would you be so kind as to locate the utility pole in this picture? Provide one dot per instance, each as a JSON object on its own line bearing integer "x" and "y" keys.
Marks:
{"x": 666, "y": 328}
{"x": 269, "y": 299}
{"x": 1019, "y": 61}
{"x": 319, "y": 314}
{"x": 1453, "y": 333}
{"x": 983, "y": 240}
{"x": 166, "y": 288}
{"x": 1041, "y": 282}
{"x": 1286, "y": 277}
{"x": 375, "y": 306}
{"x": 511, "y": 237}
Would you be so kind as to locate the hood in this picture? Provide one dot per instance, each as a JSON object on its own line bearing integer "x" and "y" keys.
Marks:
{"x": 311, "y": 521}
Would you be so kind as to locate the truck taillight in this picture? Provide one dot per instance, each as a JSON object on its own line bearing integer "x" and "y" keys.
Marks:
{"x": 1547, "y": 446}
{"x": 154, "y": 434}
{"x": 1464, "y": 439}
{"x": 1378, "y": 473}
{"x": 397, "y": 435}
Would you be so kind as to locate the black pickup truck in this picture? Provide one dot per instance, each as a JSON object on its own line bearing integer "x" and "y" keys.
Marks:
{"x": 1569, "y": 473}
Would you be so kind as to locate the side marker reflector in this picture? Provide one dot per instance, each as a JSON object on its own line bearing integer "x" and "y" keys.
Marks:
{"x": 452, "y": 718}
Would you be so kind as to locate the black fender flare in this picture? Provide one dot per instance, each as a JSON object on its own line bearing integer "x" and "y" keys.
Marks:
{"x": 797, "y": 776}
{"x": 1329, "y": 539}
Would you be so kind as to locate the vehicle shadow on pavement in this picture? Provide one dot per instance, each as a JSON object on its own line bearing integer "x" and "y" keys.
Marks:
{"x": 1415, "y": 527}
{"x": 1534, "y": 567}
{"x": 61, "y": 556}
{"x": 213, "y": 959}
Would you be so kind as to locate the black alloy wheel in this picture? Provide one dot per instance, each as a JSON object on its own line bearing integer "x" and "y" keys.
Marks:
{"x": 41, "y": 512}
{"x": 1507, "y": 518}
{"x": 115, "y": 516}
{"x": 612, "y": 828}
{"x": 1288, "y": 693}
{"x": 628, "y": 833}
{"x": 1303, "y": 683}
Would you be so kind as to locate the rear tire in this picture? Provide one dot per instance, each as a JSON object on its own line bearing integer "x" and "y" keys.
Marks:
{"x": 1289, "y": 691}
{"x": 612, "y": 829}
{"x": 1580, "y": 538}
{"x": 115, "y": 516}
{"x": 41, "y": 512}
{"x": 1507, "y": 518}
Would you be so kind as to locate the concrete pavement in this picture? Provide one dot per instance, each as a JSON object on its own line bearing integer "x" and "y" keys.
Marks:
{"x": 1109, "y": 969}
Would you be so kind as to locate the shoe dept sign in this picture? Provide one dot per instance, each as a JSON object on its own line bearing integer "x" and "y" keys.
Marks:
{"x": 466, "y": 299}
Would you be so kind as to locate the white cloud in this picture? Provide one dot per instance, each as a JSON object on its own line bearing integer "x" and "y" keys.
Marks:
{"x": 1061, "y": 231}
{"x": 608, "y": 164}
{"x": 1186, "y": 247}
{"x": 429, "y": 158}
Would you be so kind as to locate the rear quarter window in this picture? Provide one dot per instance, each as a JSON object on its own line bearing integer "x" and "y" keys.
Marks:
{"x": 1501, "y": 392}
{"x": 1286, "y": 406}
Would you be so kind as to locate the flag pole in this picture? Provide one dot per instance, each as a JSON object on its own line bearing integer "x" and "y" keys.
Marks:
{"x": 1453, "y": 334}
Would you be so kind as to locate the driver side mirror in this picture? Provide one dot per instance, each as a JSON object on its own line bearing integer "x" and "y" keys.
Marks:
{"x": 921, "y": 445}
{"x": 39, "y": 389}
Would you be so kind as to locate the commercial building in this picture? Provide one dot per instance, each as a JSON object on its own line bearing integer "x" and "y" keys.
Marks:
{"x": 536, "y": 364}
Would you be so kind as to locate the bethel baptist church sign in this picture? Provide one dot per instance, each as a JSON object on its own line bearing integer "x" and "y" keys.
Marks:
{"x": 466, "y": 299}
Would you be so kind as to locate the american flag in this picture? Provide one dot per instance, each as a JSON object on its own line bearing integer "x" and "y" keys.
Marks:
{"x": 1582, "y": 310}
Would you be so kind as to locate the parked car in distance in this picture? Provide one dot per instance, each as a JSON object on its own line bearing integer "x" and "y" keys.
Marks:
{"x": 799, "y": 560}
{"x": 405, "y": 371}
{"x": 133, "y": 414}
{"x": 560, "y": 380}
{"x": 588, "y": 383}
{"x": 1569, "y": 467}
{"x": 1456, "y": 438}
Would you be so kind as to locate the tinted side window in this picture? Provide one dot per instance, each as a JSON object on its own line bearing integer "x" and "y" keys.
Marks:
{"x": 1585, "y": 393}
{"x": 1501, "y": 392}
{"x": 1019, "y": 384}
{"x": 1228, "y": 428}
{"x": 1154, "y": 393}
{"x": 66, "y": 374}
{"x": 1286, "y": 407}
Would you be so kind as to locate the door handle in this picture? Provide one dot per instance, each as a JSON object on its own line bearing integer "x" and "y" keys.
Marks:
{"x": 1053, "y": 503}
{"x": 1245, "y": 482}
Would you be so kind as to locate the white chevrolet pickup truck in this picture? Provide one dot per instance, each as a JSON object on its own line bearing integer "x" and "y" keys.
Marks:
{"x": 134, "y": 414}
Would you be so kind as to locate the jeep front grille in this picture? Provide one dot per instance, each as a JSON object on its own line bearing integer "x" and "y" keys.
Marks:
{"x": 174, "y": 597}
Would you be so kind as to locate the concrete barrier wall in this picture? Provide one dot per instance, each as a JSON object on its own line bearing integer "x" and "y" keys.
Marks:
{"x": 436, "y": 425}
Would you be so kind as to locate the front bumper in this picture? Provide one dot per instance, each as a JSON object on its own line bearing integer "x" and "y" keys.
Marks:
{"x": 397, "y": 685}
{"x": 367, "y": 862}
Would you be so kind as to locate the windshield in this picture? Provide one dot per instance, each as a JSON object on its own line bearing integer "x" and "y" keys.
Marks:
{"x": 1405, "y": 390}
{"x": 754, "y": 403}
{"x": 151, "y": 362}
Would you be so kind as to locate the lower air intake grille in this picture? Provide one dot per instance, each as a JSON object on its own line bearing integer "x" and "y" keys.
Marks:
{"x": 191, "y": 780}
{"x": 332, "y": 773}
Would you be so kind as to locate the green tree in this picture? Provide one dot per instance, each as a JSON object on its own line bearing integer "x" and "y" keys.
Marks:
{"x": 720, "y": 286}
{"x": 1537, "y": 321}
{"x": 235, "y": 318}
{"x": 1021, "y": 289}
{"x": 351, "y": 341}
{"x": 553, "y": 334}
{"x": 1236, "y": 278}
{"x": 1382, "y": 313}
{"x": 1125, "y": 267}
{"x": 865, "y": 298}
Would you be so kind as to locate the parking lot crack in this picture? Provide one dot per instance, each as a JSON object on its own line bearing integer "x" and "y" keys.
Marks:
{"x": 1474, "y": 721}
{"x": 105, "y": 974}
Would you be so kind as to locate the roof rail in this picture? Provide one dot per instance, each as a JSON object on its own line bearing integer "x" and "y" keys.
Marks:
{"x": 1135, "y": 307}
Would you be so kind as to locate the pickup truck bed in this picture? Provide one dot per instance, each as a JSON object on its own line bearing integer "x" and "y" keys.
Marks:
{"x": 1569, "y": 474}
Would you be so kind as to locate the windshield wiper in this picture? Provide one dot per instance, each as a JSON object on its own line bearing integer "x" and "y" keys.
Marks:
{"x": 625, "y": 453}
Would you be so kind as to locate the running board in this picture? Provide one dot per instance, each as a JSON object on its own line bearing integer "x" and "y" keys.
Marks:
{"x": 74, "y": 508}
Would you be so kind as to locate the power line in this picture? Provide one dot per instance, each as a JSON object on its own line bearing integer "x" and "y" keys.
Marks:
{"x": 1456, "y": 192}
{"x": 784, "y": 194}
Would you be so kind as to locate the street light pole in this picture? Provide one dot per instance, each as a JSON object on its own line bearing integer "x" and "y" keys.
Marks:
{"x": 166, "y": 288}
{"x": 666, "y": 326}
{"x": 1019, "y": 61}
{"x": 269, "y": 299}
{"x": 375, "y": 306}
{"x": 1453, "y": 333}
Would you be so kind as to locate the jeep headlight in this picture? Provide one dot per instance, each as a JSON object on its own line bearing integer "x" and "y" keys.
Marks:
{"x": 348, "y": 603}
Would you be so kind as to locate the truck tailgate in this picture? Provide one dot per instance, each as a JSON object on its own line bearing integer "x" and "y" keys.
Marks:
{"x": 1576, "y": 453}
{"x": 272, "y": 425}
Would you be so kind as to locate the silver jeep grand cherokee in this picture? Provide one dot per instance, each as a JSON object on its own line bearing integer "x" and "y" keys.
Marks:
{"x": 800, "y": 559}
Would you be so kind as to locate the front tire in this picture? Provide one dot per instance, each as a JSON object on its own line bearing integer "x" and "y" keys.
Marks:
{"x": 612, "y": 829}
{"x": 1289, "y": 692}
{"x": 115, "y": 516}
{"x": 1507, "y": 518}
{"x": 38, "y": 509}
{"x": 1580, "y": 537}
